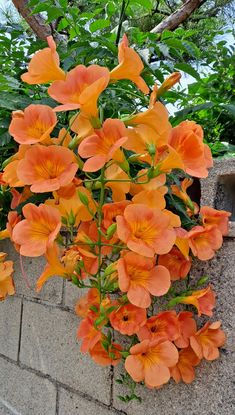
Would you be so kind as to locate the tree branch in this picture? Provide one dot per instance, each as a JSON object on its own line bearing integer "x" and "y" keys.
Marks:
{"x": 179, "y": 16}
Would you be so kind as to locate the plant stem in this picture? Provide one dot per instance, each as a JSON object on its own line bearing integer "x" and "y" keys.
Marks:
{"x": 99, "y": 243}
{"x": 121, "y": 18}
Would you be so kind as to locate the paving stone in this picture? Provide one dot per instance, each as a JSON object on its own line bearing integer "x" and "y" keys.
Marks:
{"x": 51, "y": 291}
{"x": 25, "y": 393}
{"x": 212, "y": 393}
{"x": 49, "y": 345}
{"x": 72, "y": 404}
{"x": 10, "y": 314}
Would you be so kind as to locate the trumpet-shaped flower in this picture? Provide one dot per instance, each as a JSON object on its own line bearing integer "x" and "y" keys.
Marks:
{"x": 163, "y": 326}
{"x": 130, "y": 66}
{"x": 205, "y": 241}
{"x": 88, "y": 334}
{"x": 10, "y": 171}
{"x": 104, "y": 145}
{"x": 150, "y": 361}
{"x": 106, "y": 355}
{"x": 54, "y": 267}
{"x": 6, "y": 282}
{"x": 112, "y": 210}
{"x": 47, "y": 168}
{"x": 203, "y": 300}
{"x": 212, "y": 216}
{"x": 127, "y": 319}
{"x": 119, "y": 189}
{"x": 187, "y": 140}
{"x": 188, "y": 328}
{"x": 176, "y": 263}
{"x": 184, "y": 368}
{"x": 145, "y": 231}
{"x": 181, "y": 192}
{"x": 33, "y": 125}
{"x": 72, "y": 209}
{"x": 92, "y": 298}
{"x": 44, "y": 66}
{"x": 80, "y": 89}
{"x": 38, "y": 230}
{"x": 139, "y": 277}
{"x": 207, "y": 340}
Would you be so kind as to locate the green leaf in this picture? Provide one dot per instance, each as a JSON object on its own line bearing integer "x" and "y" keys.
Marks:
{"x": 194, "y": 108}
{"x": 185, "y": 67}
{"x": 99, "y": 24}
{"x": 147, "y": 4}
{"x": 191, "y": 48}
{"x": 230, "y": 108}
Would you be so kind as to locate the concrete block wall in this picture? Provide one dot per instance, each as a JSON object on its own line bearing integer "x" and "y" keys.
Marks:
{"x": 42, "y": 371}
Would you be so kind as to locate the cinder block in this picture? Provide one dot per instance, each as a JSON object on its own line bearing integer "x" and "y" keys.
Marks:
{"x": 25, "y": 393}
{"x": 49, "y": 345}
{"x": 72, "y": 294}
{"x": 212, "y": 393}
{"x": 72, "y": 404}
{"x": 33, "y": 267}
{"x": 10, "y": 314}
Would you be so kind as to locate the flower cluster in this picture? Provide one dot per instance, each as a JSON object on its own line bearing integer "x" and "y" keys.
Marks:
{"x": 113, "y": 216}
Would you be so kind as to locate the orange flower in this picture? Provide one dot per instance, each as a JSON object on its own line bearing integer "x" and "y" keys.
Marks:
{"x": 34, "y": 125}
{"x": 203, "y": 300}
{"x": 182, "y": 242}
{"x": 139, "y": 277}
{"x": 151, "y": 129}
{"x": 10, "y": 171}
{"x": 205, "y": 241}
{"x": 163, "y": 326}
{"x": 167, "y": 158}
{"x": 111, "y": 210}
{"x": 89, "y": 334}
{"x": 130, "y": 66}
{"x": 87, "y": 234}
{"x": 182, "y": 194}
{"x": 146, "y": 231}
{"x": 104, "y": 145}
{"x": 92, "y": 298}
{"x": 81, "y": 125}
{"x": 119, "y": 189}
{"x": 6, "y": 282}
{"x": 171, "y": 80}
{"x": 187, "y": 140}
{"x": 47, "y": 168}
{"x": 44, "y": 66}
{"x": 176, "y": 263}
{"x": 38, "y": 230}
{"x": 13, "y": 219}
{"x": 150, "y": 361}
{"x": 184, "y": 368}
{"x": 80, "y": 89}
{"x": 188, "y": 328}
{"x": 89, "y": 261}
{"x": 72, "y": 209}
{"x": 128, "y": 319}
{"x": 106, "y": 356}
{"x": 18, "y": 197}
{"x": 206, "y": 341}
{"x": 54, "y": 267}
{"x": 151, "y": 193}
{"x": 219, "y": 218}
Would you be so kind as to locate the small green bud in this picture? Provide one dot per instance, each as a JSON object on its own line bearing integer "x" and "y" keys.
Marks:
{"x": 84, "y": 199}
{"x": 111, "y": 230}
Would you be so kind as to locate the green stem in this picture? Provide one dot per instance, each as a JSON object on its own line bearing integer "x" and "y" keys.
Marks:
{"x": 99, "y": 243}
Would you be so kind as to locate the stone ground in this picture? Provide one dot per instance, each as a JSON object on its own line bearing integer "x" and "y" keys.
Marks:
{"x": 42, "y": 371}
